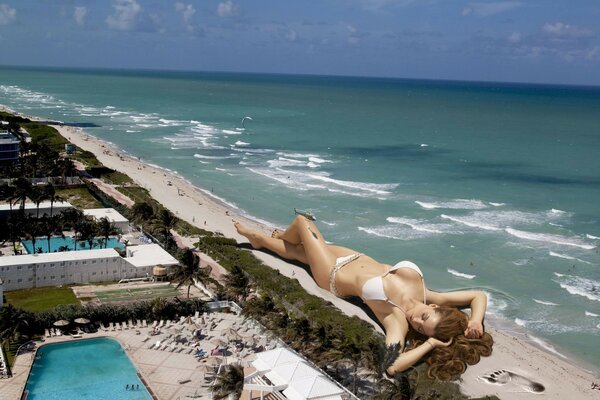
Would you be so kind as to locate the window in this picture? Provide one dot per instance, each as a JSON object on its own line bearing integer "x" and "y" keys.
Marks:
{"x": 52, "y": 277}
{"x": 85, "y": 262}
{"x": 93, "y": 261}
{"x": 62, "y": 276}
{"x": 19, "y": 280}
{"x": 93, "y": 273}
{"x": 52, "y": 265}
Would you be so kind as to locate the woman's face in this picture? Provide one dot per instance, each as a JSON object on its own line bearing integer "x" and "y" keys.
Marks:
{"x": 423, "y": 318}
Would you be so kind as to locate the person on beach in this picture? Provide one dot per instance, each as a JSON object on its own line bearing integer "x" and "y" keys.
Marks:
{"x": 419, "y": 323}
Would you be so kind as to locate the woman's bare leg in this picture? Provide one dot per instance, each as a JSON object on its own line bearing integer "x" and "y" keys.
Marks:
{"x": 303, "y": 231}
{"x": 282, "y": 248}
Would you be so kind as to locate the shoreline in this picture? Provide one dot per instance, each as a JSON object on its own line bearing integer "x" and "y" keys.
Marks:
{"x": 513, "y": 351}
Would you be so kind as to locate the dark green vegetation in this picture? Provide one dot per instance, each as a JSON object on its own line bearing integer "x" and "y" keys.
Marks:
{"x": 41, "y": 299}
{"x": 127, "y": 295}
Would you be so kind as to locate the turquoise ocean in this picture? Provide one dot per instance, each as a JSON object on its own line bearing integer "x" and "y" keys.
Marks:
{"x": 483, "y": 185}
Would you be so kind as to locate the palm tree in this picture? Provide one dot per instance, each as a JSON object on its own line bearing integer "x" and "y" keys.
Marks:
{"x": 7, "y": 193}
{"x": 164, "y": 222}
{"x": 230, "y": 381}
{"x": 51, "y": 195}
{"x": 37, "y": 195}
{"x": 141, "y": 212}
{"x": 50, "y": 226}
{"x": 14, "y": 323}
{"x": 15, "y": 230}
{"x": 87, "y": 231}
{"x": 188, "y": 271}
{"x": 105, "y": 228}
{"x": 22, "y": 191}
{"x": 237, "y": 282}
{"x": 71, "y": 217}
{"x": 31, "y": 230}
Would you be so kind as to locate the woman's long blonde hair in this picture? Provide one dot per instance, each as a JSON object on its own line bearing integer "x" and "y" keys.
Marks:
{"x": 447, "y": 363}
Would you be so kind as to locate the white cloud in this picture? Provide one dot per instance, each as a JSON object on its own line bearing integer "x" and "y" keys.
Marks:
{"x": 7, "y": 14}
{"x": 227, "y": 9}
{"x": 515, "y": 37}
{"x": 562, "y": 30}
{"x": 291, "y": 35}
{"x": 124, "y": 16}
{"x": 187, "y": 13}
{"x": 79, "y": 15}
{"x": 489, "y": 9}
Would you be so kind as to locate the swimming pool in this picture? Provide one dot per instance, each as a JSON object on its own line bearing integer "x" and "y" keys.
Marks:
{"x": 86, "y": 369}
{"x": 57, "y": 242}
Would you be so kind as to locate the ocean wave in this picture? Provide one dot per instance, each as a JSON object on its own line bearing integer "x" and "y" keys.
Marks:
{"x": 497, "y": 204}
{"x": 213, "y": 157}
{"x": 296, "y": 155}
{"x": 318, "y": 160}
{"x": 591, "y": 314}
{"x": 230, "y": 132}
{"x": 457, "y": 204}
{"x": 421, "y": 225}
{"x": 240, "y": 143}
{"x": 546, "y": 346}
{"x": 328, "y": 223}
{"x": 579, "y": 286}
{"x": 546, "y": 303}
{"x": 460, "y": 274}
{"x": 549, "y": 238}
{"x": 471, "y": 222}
{"x": 587, "y": 235}
{"x": 567, "y": 257}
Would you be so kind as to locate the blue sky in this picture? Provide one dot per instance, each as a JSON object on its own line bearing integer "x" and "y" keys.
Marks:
{"x": 553, "y": 41}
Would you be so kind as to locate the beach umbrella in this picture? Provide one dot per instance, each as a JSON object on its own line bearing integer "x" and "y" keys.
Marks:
{"x": 230, "y": 334}
{"x": 82, "y": 321}
{"x": 61, "y": 323}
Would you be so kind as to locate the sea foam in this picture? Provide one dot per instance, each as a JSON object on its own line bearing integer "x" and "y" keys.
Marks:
{"x": 549, "y": 238}
{"x": 460, "y": 274}
{"x": 546, "y": 303}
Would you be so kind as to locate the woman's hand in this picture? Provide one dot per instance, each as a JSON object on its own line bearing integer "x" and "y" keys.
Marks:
{"x": 435, "y": 343}
{"x": 474, "y": 330}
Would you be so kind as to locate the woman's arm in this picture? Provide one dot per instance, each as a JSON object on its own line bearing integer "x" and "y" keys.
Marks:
{"x": 476, "y": 299}
{"x": 409, "y": 358}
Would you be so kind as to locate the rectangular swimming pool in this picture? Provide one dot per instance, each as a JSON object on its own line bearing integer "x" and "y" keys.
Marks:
{"x": 96, "y": 369}
{"x": 61, "y": 244}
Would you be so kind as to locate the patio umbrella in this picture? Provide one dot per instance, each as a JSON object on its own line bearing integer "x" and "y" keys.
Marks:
{"x": 230, "y": 334}
{"x": 82, "y": 321}
{"x": 61, "y": 323}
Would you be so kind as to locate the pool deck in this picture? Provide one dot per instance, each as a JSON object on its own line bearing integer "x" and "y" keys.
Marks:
{"x": 169, "y": 375}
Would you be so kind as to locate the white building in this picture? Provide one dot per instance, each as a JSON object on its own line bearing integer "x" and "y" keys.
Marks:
{"x": 284, "y": 374}
{"x": 32, "y": 209}
{"x": 112, "y": 215}
{"x": 82, "y": 266}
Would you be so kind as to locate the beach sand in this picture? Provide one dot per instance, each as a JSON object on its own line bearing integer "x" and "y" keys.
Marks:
{"x": 524, "y": 361}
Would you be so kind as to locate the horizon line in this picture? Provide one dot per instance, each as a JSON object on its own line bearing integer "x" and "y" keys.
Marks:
{"x": 314, "y": 75}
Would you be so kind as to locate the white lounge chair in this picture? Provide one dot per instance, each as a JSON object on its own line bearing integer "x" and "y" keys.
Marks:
{"x": 161, "y": 323}
{"x": 196, "y": 315}
{"x": 156, "y": 345}
{"x": 112, "y": 326}
{"x": 144, "y": 323}
{"x": 131, "y": 324}
{"x": 139, "y": 324}
{"x": 155, "y": 324}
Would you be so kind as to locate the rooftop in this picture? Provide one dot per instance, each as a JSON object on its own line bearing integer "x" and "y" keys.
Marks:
{"x": 32, "y": 206}
{"x": 6, "y": 136}
{"x": 110, "y": 213}
{"x": 147, "y": 255}
{"x": 57, "y": 257}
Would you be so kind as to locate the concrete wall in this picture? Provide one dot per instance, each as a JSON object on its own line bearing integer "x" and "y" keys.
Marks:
{"x": 1, "y": 292}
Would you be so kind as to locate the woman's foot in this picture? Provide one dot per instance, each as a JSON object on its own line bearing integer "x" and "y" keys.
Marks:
{"x": 252, "y": 236}
{"x": 276, "y": 233}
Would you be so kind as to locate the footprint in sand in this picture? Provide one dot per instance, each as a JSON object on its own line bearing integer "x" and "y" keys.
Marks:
{"x": 504, "y": 377}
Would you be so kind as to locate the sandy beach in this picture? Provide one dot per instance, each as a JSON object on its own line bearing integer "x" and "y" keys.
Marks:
{"x": 525, "y": 365}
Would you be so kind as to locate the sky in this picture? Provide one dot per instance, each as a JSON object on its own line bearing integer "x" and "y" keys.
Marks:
{"x": 537, "y": 41}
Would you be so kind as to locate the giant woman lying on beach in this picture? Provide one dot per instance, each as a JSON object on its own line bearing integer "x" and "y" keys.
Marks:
{"x": 419, "y": 323}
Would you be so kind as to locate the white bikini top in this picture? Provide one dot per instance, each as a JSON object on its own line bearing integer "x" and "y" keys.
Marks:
{"x": 372, "y": 289}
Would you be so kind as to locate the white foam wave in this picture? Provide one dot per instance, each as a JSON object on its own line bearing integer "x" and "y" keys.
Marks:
{"x": 318, "y": 160}
{"x": 212, "y": 157}
{"x": 230, "y": 132}
{"x": 567, "y": 257}
{"x": 497, "y": 204}
{"x": 417, "y": 224}
{"x": 546, "y": 303}
{"x": 546, "y": 346}
{"x": 549, "y": 238}
{"x": 221, "y": 169}
{"x": 555, "y": 211}
{"x": 312, "y": 165}
{"x": 473, "y": 223}
{"x": 591, "y": 314}
{"x": 240, "y": 143}
{"x": 520, "y": 322}
{"x": 424, "y": 145}
{"x": 579, "y": 286}
{"x": 460, "y": 274}
{"x": 457, "y": 204}
{"x": 328, "y": 223}
{"x": 296, "y": 155}
{"x": 587, "y": 235}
